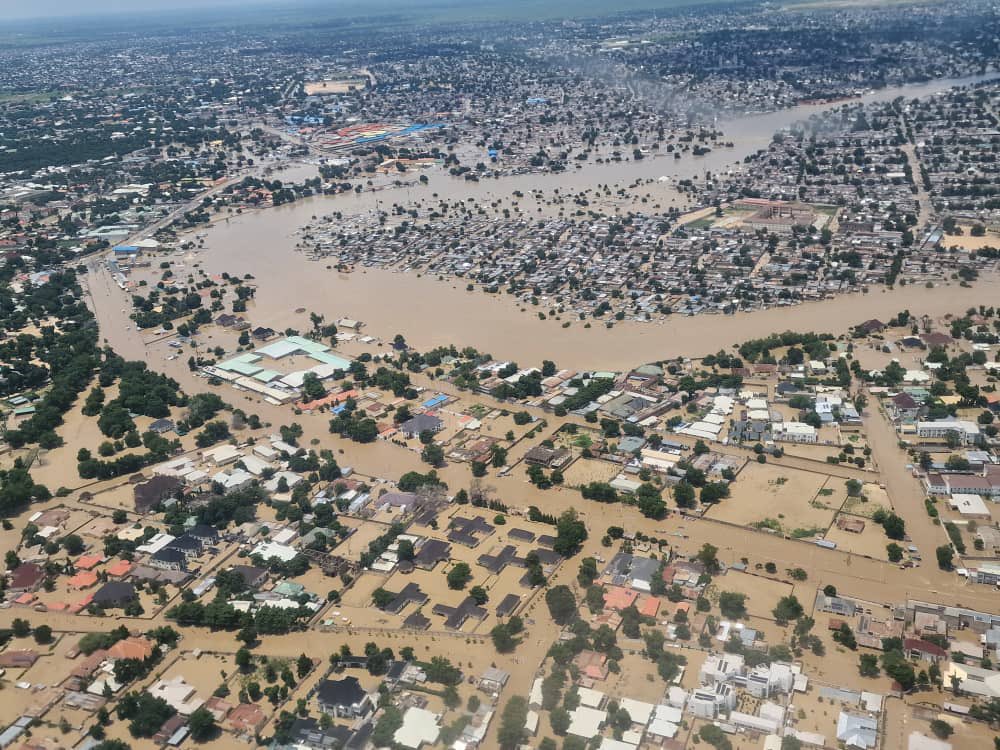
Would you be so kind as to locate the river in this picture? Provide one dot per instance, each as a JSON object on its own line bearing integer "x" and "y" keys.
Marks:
{"x": 431, "y": 311}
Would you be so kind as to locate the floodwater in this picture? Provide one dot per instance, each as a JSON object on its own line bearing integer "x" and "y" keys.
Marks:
{"x": 431, "y": 311}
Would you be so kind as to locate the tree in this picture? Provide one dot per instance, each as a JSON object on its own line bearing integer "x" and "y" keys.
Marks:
{"x": 303, "y": 665}
{"x": 512, "y": 721}
{"x": 43, "y": 634}
{"x": 381, "y": 597}
{"x": 433, "y": 454}
{"x": 244, "y": 659}
{"x": 732, "y": 605}
{"x": 459, "y": 575}
{"x": 202, "y": 725}
{"x": 787, "y": 609}
{"x": 559, "y": 719}
{"x": 561, "y": 603}
{"x": 20, "y": 627}
{"x": 708, "y": 556}
{"x": 854, "y": 488}
{"x": 868, "y": 665}
{"x": 73, "y": 544}
{"x": 941, "y": 729}
{"x": 405, "y": 550}
{"x": 588, "y": 571}
{"x": 570, "y": 534}
{"x": 845, "y": 637}
{"x": 479, "y": 595}
{"x": 385, "y": 729}
{"x": 945, "y": 556}
{"x": 894, "y": 551}
{"x": 684, "y": 495}
{"x": 503, "y": 641}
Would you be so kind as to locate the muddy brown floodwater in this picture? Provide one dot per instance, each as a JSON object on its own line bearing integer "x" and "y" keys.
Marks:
{"x": 429, "y": 311}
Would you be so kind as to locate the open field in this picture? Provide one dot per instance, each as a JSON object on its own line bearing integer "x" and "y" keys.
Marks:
{"x": 779, "y": 497}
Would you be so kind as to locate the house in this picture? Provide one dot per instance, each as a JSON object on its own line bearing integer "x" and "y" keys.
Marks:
{"x": 421, "y": 423}
{"x": 186, "y": 545}
{"x": 252, "y": 576}
{"x": 263, "y": 334}
{"x": 493, "y": 680}
{"x": 420, "y": 727}
{"x": 161, "y": 426}
{"x": 168, "y": 558}
{"x": 917, "y": 648}
{"x": 869, "y": 327}
{"x": 857, "y": 731}
{"x": 131, "y": 648}
{"x": 345, "y": 698}
{"x": 178, "y": 693}
{"x": 547, "y": 458}
{"x": 903, "y": 407}
{"x": 150, "y": 494}
{"x": 26, "y": 577}
{"x": 204, "y": 533}
{"x": 114, "y": 594}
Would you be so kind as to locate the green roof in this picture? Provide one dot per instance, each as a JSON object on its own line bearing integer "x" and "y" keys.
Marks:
{"x": 266, "y": 376}
{"x": 331, "y": 359}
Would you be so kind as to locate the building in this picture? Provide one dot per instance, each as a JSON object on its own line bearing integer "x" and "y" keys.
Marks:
{"x": 794, "y": 432}
{"x": 709, "y": 703}
{"x": 148, "y": 495}
{"x": 114, "y": 594}
{"x": 344, "y": 698}
{"x": 857, "y": 731}
{"x": 178, "y": 693}
{"x": 412, "y": 427}
{"x": 419, "y": 727}
{"x": 966, "y": 432}
{"x": 26, "y": 577}
{"x": 168, "y": 558}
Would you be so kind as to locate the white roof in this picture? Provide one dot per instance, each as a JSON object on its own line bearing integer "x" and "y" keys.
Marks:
{"x": 968, "y": 505}
{"x": 535, "y": 696}
{"x": 590, "y": 697}
{"x": 419, "y": 726}
{"x": 223, "y": 454}
{"x": 676, "y": 696}
{"x": 612, "y": 744}
{"x": 267, "y": 550}
{"x": 795, "y": 428}
{"x": 638, "y": 711}
{"x": 155, "y": 544}
{"x": 871, "y": 701}
{"x": 531, "y": 722}
{"x": 668, "y": 713}
{"x": 586, "y": 722}
{"x": 255, "y": 465}
{"x": 758, "y": 723}
{"x": 661, "y": 728}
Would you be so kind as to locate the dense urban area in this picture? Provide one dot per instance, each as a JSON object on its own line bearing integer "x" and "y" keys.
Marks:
{"x": 528, "y": 378}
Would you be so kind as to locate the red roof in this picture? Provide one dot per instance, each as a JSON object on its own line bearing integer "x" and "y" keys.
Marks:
{"x": 88, "y": 561}
{"x": 924, "y": 647}
{"x": 26, "y": 576}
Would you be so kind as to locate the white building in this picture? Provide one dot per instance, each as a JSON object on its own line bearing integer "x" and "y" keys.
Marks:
{"x": 968, "y": 432}
{"x": 709, "y": 703}
{"x": 720, "y": 668}
{"x": 794, "y": 432}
